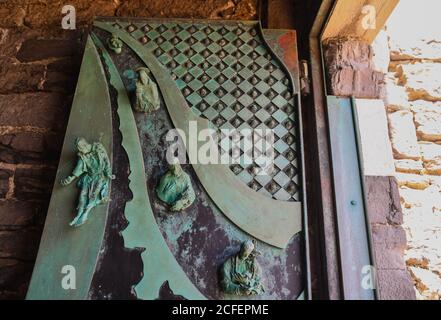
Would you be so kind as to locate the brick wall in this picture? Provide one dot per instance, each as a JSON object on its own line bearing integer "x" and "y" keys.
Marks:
{"x": 39, "y": 65}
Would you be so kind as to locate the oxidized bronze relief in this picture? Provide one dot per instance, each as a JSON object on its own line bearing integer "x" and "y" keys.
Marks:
{"x": 94, "y": 174}
{"x": 187, "y": 77}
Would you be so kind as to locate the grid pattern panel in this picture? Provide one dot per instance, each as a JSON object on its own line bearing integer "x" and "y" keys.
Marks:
{"x": 228, "y": 76}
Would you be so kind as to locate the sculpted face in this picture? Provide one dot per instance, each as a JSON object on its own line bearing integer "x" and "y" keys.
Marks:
{"x": 83, "y": 146}
{"x": 246, "y": 249}
{"x": 143, "y": 75}
{"x": 176, "y": 169}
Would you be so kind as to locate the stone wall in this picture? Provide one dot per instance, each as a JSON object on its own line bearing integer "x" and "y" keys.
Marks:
{"x": 353, "y": 71}
{"x": 413, "y": 99}
{"x": 39, "y": 65}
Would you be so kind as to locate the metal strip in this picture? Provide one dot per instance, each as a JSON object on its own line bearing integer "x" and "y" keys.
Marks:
{"x": 62, "y": 245}
{"x": 143, "y": 232}
{"x": 349, "y": 198}
{"x": 363, "y": 184}
{"x": 271, "y": 221}
{"x": 291, "y": 71}
{"x": 324, "y": 253}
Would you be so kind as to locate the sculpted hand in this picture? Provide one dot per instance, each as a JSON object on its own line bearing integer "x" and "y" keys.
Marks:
{"x": 67, "y": 181}
{"x": 179, "y": 205}
{"x": 176, "y": 207}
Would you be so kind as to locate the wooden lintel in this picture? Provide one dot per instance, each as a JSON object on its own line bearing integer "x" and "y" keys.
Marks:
{"x": 360, "y": 19}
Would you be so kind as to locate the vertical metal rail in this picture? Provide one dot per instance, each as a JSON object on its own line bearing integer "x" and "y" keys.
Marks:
{"x": 367, "y": 220}
{"x": 352, "y": 228}
{"x": 326, "y": 264}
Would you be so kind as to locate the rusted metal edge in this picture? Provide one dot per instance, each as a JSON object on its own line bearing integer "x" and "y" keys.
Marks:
{"x": 327, "y": 260}
{"x": 307, "y": 293}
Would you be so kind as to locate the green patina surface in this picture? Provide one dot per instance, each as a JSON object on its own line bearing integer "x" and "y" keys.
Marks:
{"x": 115, "y": 44}
{"x": 175, "y": 188}
{"x": 229, "y": 76}
{"x": 142, "y": 231}
{"x": 147, "y": 96}
{"x": 94, "y": 174}
{"x": 62, "y": 245}
{"x": 241, "y": 274}
{"x": 252, "y": 212}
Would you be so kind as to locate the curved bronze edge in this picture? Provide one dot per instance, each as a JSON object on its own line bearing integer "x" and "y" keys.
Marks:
{"x": 296, "y": 88}
{"x": 143, "y": 232}
{"x": 271, "y": 221}
{"x": 66, "y": 251}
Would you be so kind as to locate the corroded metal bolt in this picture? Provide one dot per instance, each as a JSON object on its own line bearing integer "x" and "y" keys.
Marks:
{"x": 237, "y": 107}
{"x": 254, "y": 108}
{"x": 290, "y": 156}
{"x": 289, "y": 125}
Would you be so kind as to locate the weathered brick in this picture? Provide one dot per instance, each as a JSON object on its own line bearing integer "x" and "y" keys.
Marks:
{"x": 383, "y": 200}
{"x": 24, "y": 142}
{"x": 30, "y": 147}
{"x": 48, "y": 13}
{"x": 403, "y": 135}
{"x": 351, "y": 70}
{"x": 41, "y": 110}
{"x": 394, "y": 96}
{"x": 431, "y": 153}
{"x": 11, "y": 15}
{"x": 21, "y": 213}
{"x": 389, "y": 259}
{"x": 17, "y": 244}
{"x": 422, "y": 80}
{"x": 18, "y": 77}
{"x": 14, "y": 273}
{"x": 389, "y": 237}
{"x": 413, "y": 181}
{"x": 4, "y": 182}
{"x": 368, "y": 83}
{"x": 428, "y": 125}
{"x": 428, "y": 283}
{"x": 69, "y": 66}
{"x": 40, "y": 49}
{"x": 33, "y": 183}
{"x": 424, "y": 106}
{"x": 395, "y": 285}
{"x": 59, "y": 82}
{"x": 409, "y": 166}
{"x": 214, "y": 9}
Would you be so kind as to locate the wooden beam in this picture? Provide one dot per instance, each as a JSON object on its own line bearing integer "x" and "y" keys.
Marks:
{"x": 361, "y": 19}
